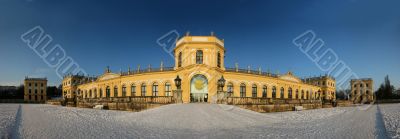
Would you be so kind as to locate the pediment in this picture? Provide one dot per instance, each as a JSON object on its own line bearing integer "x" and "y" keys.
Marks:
{"x": 290, "y": 77}
{"x": 108, "y": 76}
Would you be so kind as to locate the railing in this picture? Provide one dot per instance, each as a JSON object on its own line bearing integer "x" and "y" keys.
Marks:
{"x": 254, "y": 72}
{"x": 266, "y": 101}
{"x": 148, "y": 70}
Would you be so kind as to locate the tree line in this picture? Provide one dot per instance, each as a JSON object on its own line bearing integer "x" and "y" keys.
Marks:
{"x": 17, "y": 92}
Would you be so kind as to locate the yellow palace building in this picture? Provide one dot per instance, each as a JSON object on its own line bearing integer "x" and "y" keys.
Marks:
{"x": 199, "y": 63}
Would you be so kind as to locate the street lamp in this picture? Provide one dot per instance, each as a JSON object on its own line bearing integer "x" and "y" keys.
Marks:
{"x": 221, "y": 83}
{"x": 178, "y": 82}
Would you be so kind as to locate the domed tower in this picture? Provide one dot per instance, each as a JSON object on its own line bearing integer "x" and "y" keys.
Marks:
{"x": 199, "y": 61}
{"x": 199, "y": 50}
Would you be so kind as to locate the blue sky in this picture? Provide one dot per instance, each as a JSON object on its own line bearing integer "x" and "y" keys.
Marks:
{"x": 97, "y": 33}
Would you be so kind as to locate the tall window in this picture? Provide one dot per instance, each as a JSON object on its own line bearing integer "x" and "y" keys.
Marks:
{"x": 180, "y": 59}
{"x": 242, "y": 90}
{"x": 155, "y": 89}
{"x": 133, "y": 90}
{"x": 90, "y": 94}
{"x": 254, "y": 91}
{"x": 143, "y": 90}
{"x": 290, "y": 95}
{"x": 168, "y": 89}
{"x": 230, "y": 88}
{"x": 273, "y": 92}
{"x": 282, "y": 93}
{"x": 101, "y": 93}
{"x": 264, "y": 91}
{"x": 302, "y": 95}
{"x": 308, "y": 95}
{"x": 219, "y": 60}
{"x": 199, "y": 57}
{"x": 123, "y": 90}
{"x": 108, "y": 92}
{"x": 297, "y": 94}
{"x": 115, "y": 91}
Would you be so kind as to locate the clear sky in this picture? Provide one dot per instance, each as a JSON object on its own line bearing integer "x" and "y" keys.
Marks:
{"x": 120, "y": 33}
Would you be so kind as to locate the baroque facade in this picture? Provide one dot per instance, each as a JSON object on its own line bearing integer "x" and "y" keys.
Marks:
{"x": 200, "y": 63}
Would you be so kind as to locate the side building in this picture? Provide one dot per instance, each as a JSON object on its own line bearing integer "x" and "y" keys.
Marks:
{"x": 362, "y": 90}
{"x": 199, "y": 63}
{"x": 35, "y": 90}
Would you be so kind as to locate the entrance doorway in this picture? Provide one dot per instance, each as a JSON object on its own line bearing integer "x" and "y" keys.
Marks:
{"x": 198, "y": 89}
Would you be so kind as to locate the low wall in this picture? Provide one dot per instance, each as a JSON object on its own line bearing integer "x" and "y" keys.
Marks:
{"x": 12, "y": 101}
{"x": 388, "y": 101}
{"x": 344, "y": 103}
{"x": 127, "y": 103}
{"x": 278, "y": 107}
{"x": 271, "y": 105}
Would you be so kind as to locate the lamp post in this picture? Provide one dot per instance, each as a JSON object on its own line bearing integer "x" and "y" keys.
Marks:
{"x": 221, "y": 83}
{"x": 221, "y": 95}
{"x": 178, "y": 82}
{"x": 178, "y": 92}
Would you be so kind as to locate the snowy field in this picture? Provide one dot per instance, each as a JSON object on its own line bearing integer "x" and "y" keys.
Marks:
{"x": 197, "y": 121}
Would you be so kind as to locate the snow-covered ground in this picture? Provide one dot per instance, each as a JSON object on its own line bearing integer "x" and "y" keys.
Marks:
{"x": 197, "y": 121}
{"x": 391, "y": 116}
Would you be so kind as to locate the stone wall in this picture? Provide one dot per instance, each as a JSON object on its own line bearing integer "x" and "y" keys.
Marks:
{"x": 127, "y": 103}
{"x": 270, "y": 105}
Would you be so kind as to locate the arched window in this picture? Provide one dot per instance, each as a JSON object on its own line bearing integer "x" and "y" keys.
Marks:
{"x": 115, "y": 91}
{"x": 143, "y": 89}
{"x": 133, "y": 90}
{"x": 282, "y": 93}
{"x": 230, "y": 88}
{"x": 199, "y": 57}
{"x": 101, "y": 93}
{"x": 302, "y": 96}
{"x": 308, "y": 95}
{"x": 242, "y": 90}
{"x": 168, "y": 89}
{"x": 297, "y": 94}
{"x": 155, "y": 89}
{"x": 90, "y": 94}
{"x": 219, "y": 60}
{"x": 95, "y": 93}
{"x": 273, "y": 92}
{"x": 254, "y": 91}
{"x": 108, "y": 92}
{"x": 180, "y": 59}
{"x": 290, "y": 95}
{"x": 264, "y": 91}
{"x": 123, "y": 91}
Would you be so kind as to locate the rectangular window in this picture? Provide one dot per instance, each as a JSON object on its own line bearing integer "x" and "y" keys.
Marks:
{"x": 133, "y": 90}
{"x": 168, "y": 90}
{"x": 242, "y": 91}
{"x": 123, "y": 91}
{"x": 143, "y": 90}
{"x": 264, "y": 94}
{"x": 254, "y": 92}
{"x": 155, "y": 90}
